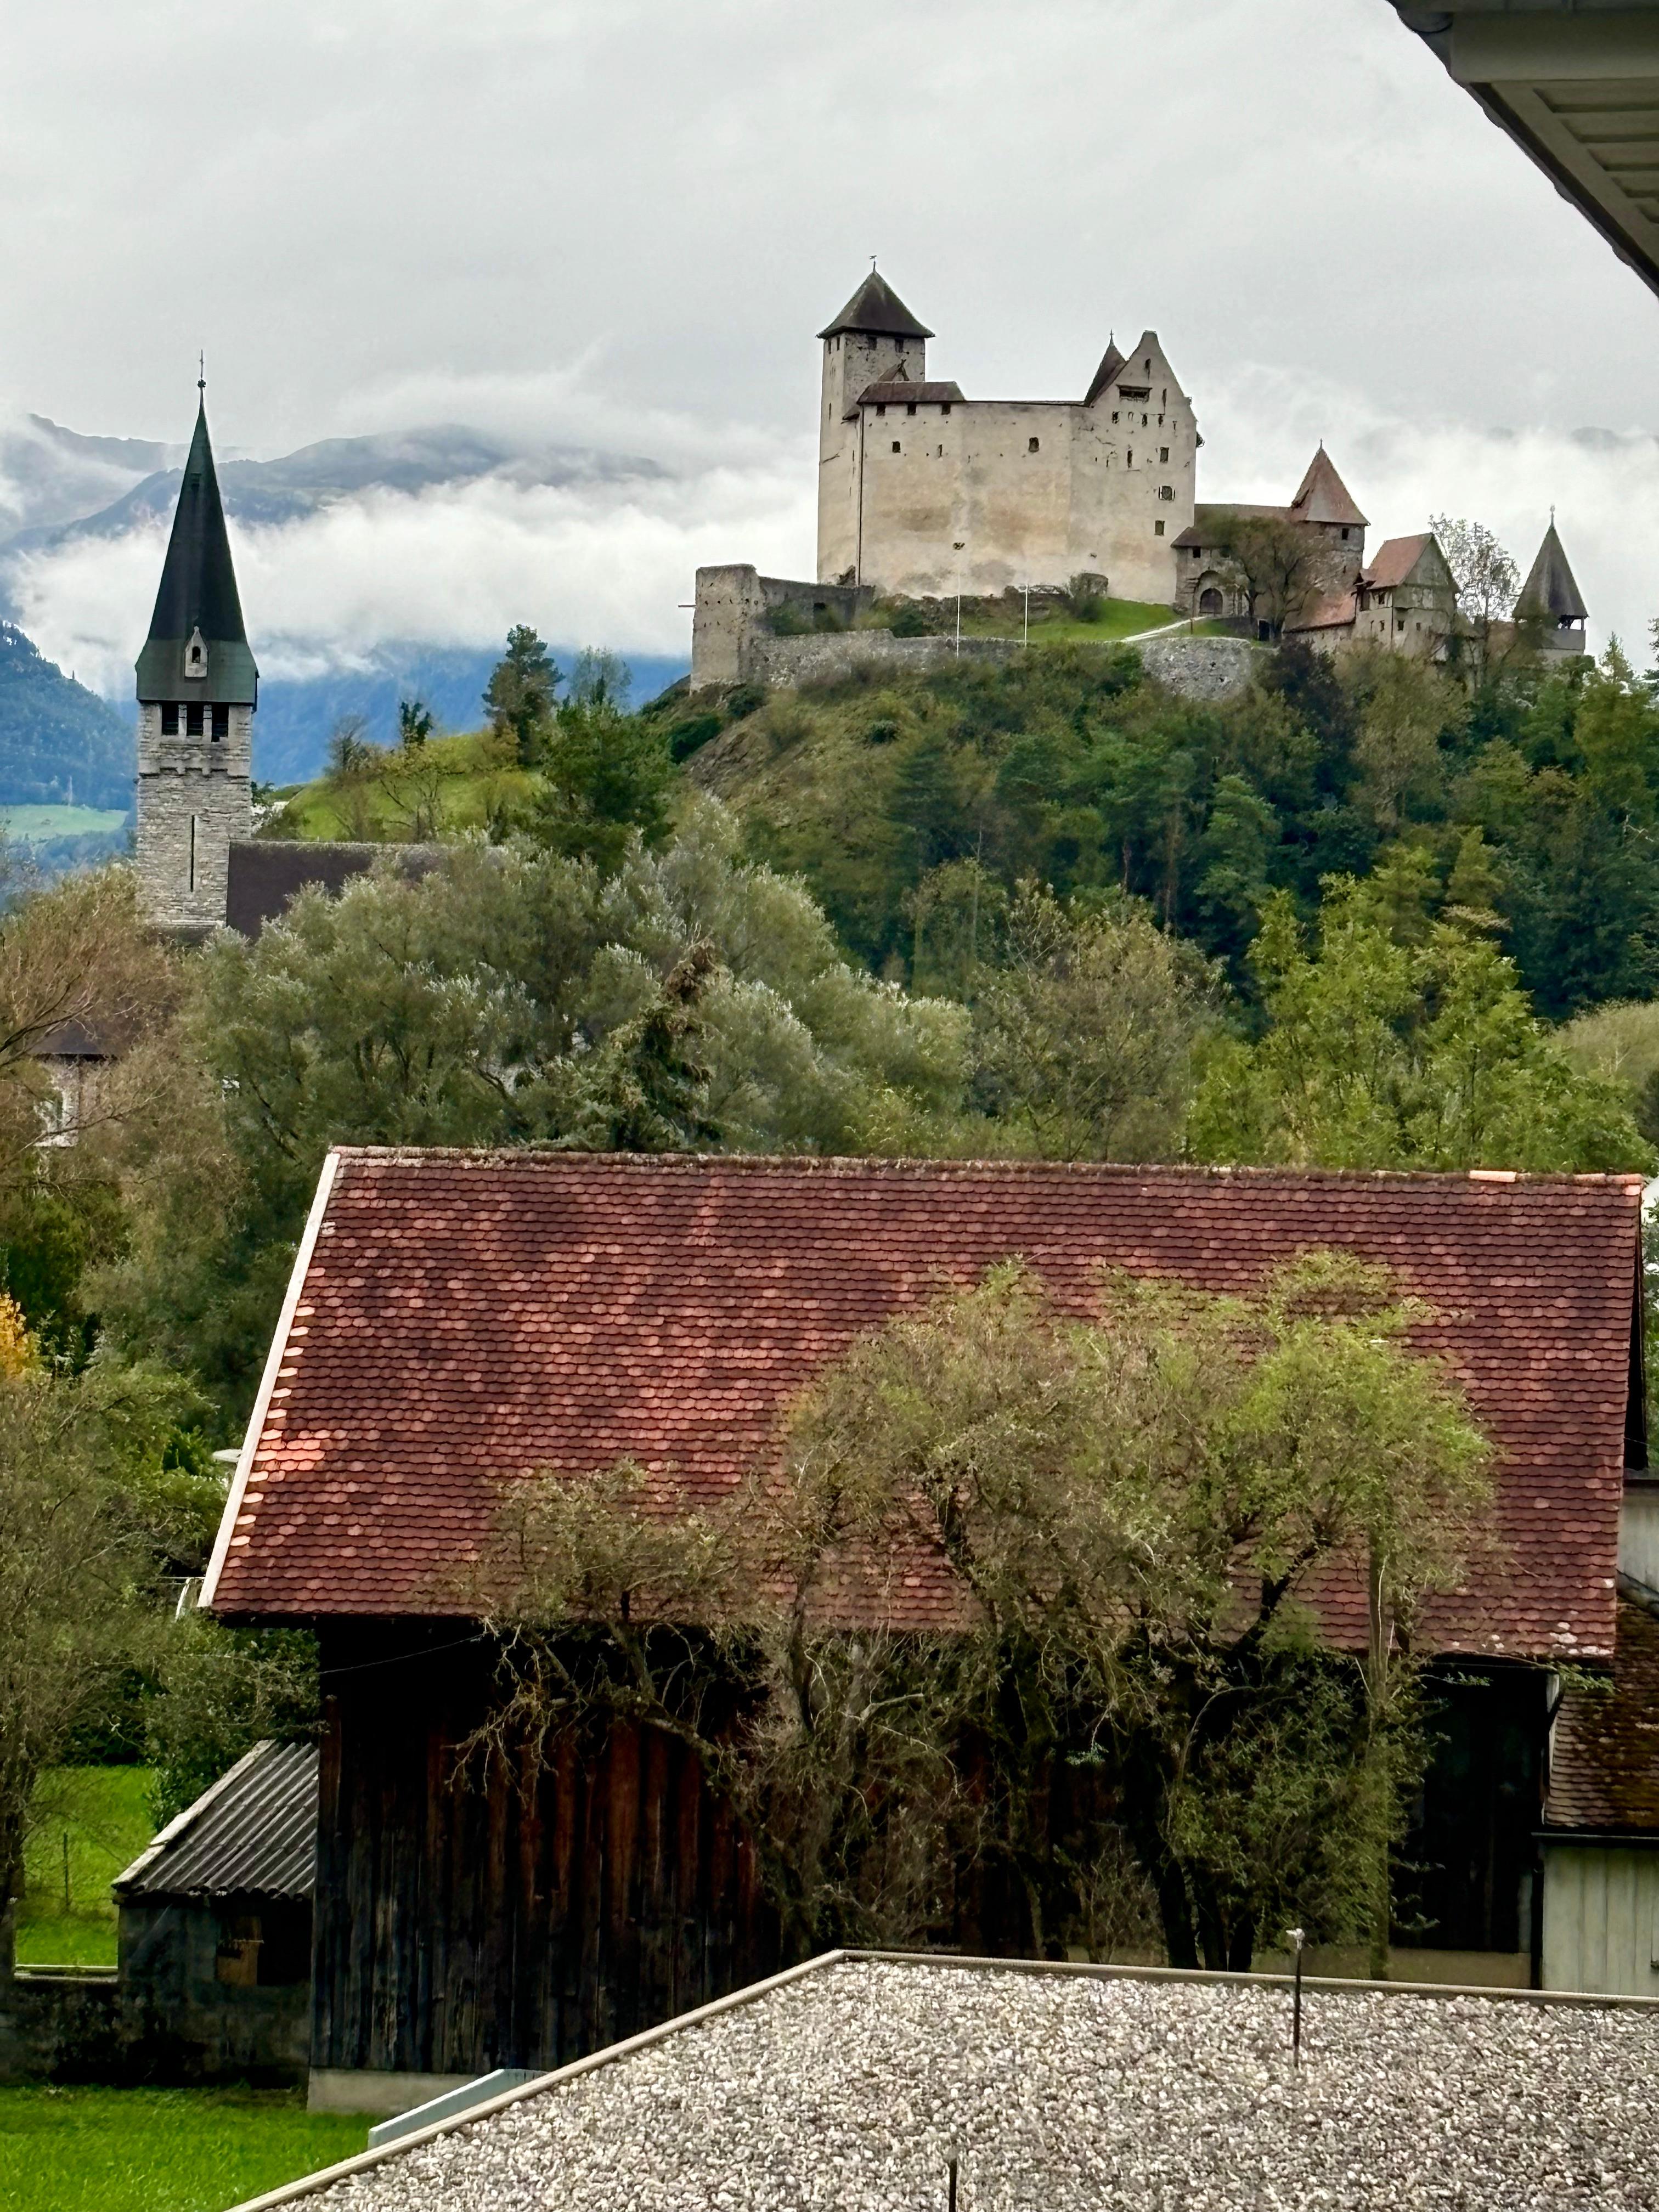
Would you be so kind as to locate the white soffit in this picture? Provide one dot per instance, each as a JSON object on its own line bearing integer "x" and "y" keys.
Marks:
{"x": 1578, "y": 88}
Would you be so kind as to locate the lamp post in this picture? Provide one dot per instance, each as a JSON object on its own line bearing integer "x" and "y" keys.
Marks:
{"x": 1296, "y": 1937}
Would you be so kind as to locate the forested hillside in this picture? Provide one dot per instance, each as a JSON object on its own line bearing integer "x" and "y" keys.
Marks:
{"x": 912, "y": 807}
{"x": 60, "y": 743}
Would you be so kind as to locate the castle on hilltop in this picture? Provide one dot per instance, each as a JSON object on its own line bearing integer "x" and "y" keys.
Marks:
{"x": 924, "y": 492}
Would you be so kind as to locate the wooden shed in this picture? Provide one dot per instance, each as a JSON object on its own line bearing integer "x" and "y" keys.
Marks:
{"x": 454, "y": 1320}
{"x": 215, "y": 1927}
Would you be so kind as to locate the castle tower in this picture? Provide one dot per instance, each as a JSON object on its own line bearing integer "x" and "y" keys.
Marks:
{"x": 1551, "y": 599}
{"x": 1323, "y": 502}
{"x": 198, "y": 688}
{"x": 875, "y": 339}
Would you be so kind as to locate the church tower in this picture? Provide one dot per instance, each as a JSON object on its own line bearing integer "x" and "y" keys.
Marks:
{"x": 1551, "y": 606}
{"x": 198, "y": 688}
{"x": 875, "y": 339}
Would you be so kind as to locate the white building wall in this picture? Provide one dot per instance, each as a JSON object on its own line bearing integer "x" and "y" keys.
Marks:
{"x": 1600, "y": 1917}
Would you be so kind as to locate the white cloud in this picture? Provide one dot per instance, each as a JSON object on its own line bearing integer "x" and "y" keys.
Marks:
{"x": 609, "y": 563}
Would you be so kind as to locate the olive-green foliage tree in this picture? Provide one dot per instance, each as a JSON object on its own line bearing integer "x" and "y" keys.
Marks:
{"x": 1121, "y": 1523}
{"x": 1085, "y": 1029}
{"x": 1277, "y": 565}
{"x": 606, "y": 775}
{"x": 81, "y": 1471}
{"x": 518, "y": 697}
{"x": 1399, "y": 1041}
{"x": 516, "y": 996}
{"x": 213, "y": 1693}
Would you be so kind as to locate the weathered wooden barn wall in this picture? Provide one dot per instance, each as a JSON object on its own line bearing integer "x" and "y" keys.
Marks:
{"x": 461, "y": 1929}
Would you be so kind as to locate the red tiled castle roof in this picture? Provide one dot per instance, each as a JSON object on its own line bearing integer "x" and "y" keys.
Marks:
{"x": 459, "y": 1317}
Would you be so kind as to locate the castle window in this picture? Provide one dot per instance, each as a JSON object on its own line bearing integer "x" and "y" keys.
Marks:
{"x": 192, "y": 722}
{"x": 170, "y": 721}
{"x": 1344, "y": 533}
{"x": 895, "y": 445}
{"x": 1146, "y": 368}
{"x": 1031, "y": 445}
{"x": 1114, "y": 414}
{"x": 1143, "y": 422}
{"x": 1163, "y": 452}
{"x": 945, "y": 409}
{"x": 1157, "y": 529}
{"x": 1129, "y": 459}
{"x": 1166, "y": 491}
{"x": 222, "y": 721}
{"x": 880, "y": 409}
{"x": 909, "y": 406}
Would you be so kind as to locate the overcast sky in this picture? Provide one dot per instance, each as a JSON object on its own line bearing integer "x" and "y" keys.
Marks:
{"x": 621, "y": 222}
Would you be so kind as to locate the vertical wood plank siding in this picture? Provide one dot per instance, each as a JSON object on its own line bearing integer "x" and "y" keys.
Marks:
{"x": 460, "y": 1929}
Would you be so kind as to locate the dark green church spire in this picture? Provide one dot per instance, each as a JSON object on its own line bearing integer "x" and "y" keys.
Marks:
{"x": 197, "y": 647}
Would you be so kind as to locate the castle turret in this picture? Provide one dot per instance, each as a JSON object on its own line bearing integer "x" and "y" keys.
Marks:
{"x": 197, "y": 689}
{"x": 1323, "y": 502}
{"x": 875, "y": 339}
{"x": 1551, "y": 600}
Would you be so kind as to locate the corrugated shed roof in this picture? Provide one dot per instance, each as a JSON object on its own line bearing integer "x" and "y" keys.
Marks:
{"x": 466, "y": 1317}
{"x": 252, "y": 1835}
{"x": 1604, "y": 1756}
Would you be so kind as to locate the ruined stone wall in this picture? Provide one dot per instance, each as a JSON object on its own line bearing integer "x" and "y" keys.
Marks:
{"x": 1204, "y": 668}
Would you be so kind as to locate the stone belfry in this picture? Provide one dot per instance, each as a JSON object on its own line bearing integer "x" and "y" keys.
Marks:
{"x": 198, "y": 688}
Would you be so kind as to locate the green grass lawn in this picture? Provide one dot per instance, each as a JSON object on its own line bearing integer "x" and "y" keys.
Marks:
{"x": 102, "y": 1813}
{"x": 160, "y": 2150}
{"x": 27, "y": 822}
{"x": 446, "y": 785}
{"x": 1050, "y": 625}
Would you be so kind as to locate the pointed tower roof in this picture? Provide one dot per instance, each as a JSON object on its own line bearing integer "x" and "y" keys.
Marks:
{"x": 1322, "y": 496}
{"x": 1110, "y": 361}
{"x": 876, "y": 306}
{"x": 199, "y": 594}
{"x": 1550, "y": 592}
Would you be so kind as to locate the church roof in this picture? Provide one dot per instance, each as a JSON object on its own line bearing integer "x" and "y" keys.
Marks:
{"x": 1321, "y": 495}
{"x": 198, "y": 593}
{"x": 1110, "y": 361}
{"x": 1550, "y": 592}
{"x": 876, "y": 306}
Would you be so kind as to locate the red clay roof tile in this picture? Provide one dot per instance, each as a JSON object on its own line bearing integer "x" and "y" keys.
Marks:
{"x": 468, "y": 1316}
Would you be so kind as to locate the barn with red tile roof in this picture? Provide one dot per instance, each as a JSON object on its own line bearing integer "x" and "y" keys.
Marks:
{"x": 457, "y": 1319}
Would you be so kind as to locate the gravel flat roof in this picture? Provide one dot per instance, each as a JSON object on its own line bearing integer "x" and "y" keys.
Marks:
{"x": 850, "y": 2088}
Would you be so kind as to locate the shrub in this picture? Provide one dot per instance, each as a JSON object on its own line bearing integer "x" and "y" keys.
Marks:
{"x": 689, "y": 737}
{"x": 747, "y": 699}
{"x": 1085, "y": 596}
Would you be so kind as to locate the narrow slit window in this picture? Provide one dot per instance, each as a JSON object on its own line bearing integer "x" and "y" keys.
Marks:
{"x": 192, "y": 852}
{"x": 220, "y": 723}
{"x": 896, "y": 445}
{"x": 1157, "y": 529}
{"x": 1163, "y": 452}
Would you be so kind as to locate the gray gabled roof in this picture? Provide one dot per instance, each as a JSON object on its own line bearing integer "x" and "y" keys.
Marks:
{"x": 876, "y": 306}
{"x": 1551, "y": 593}
{"x": 253, "y": 1833}
{"x": 198, "y": 593}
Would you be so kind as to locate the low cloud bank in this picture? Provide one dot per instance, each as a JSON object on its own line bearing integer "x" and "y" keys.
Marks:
{"x": 612, "y": 561}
